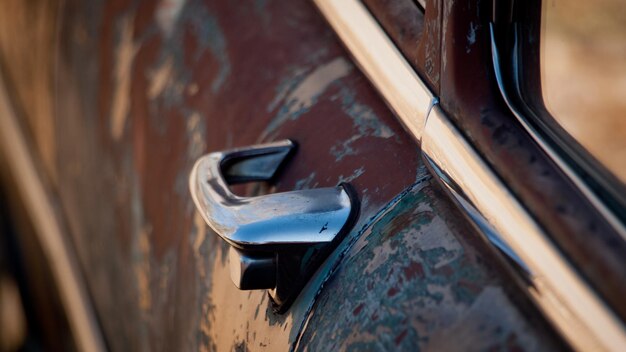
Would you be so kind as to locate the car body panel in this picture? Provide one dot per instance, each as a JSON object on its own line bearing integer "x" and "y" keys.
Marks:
{"x": 424, "y": 282}
{"x": 143, "y": 89}
{"x": 156, "y": 100}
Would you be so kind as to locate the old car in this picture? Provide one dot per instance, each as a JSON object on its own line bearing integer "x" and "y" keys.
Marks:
{"x": 312, "y": 175}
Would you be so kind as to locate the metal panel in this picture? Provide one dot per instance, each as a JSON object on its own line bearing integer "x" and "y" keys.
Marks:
{"x": 405, "y": 93}
{"x": 560, "y": 291}
{"x": 554, "y": 284}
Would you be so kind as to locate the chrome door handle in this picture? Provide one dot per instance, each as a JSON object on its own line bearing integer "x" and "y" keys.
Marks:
{"x": 272, "y": 234}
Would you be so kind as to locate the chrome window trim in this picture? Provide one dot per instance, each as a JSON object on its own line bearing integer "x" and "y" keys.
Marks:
{"x": 48, "y": 228}
{"x": 381, "y": 61}
{"x": 555, "y": 286}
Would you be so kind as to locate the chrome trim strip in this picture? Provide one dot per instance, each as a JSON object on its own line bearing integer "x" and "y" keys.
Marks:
{"x": 554, "y": 156}
{"x": 48, "y": 228}
{"x": 556, "y": 287}
{"x": 404, "y": 92}
{"x": 564, "y": 297}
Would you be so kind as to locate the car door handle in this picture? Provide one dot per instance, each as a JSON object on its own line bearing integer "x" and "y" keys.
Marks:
{"x": 270, "y": 234}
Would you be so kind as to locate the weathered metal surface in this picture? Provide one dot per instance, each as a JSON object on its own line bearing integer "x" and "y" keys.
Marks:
{"x": 144, "y": 88}
{"x": 416, "y": 32}
{"x": 471, "y": 98}
{"x": 424, "y": 283}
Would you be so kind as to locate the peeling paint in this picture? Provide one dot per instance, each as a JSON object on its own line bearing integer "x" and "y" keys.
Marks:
{"x": 358, "y": 172}
{"x": 353, "y": 242}
{"x": 142, "y": 271}
{"x": 306, "y": 183}
{"x": 296, "y": 75}
{"x": 365, "y": 121}
{"x": 316, "y": 83}
{"x": 491, "y": 317}
{"x": 167, "y": 14}
{"x": 447, "y": 15}
{"x": 141, "y": 250}
{"x": 419, "y": 284}
{"x": 191, "y": 71}
{"x": 195, "y": 132}
{"x": 471, "y": 37}
{"x": 305, "y": 94}
{"x": 124, "y": 56}
{"x": 254, "y": 313}
{"x": 210, "y": 35}
{"x": 214, "y": 77}
{"x": 159, "y": 78}
{"x": 202, "y": 244}
{"x": 199, "y": 235}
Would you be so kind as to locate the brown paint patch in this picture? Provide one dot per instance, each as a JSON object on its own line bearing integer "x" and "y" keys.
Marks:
{"x": 400, "y": 337}
{"x": 358, "y": 309}
{"x": 413, "y": 270}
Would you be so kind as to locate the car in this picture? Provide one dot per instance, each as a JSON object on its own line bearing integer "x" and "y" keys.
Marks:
{"x": 312, "y": 175}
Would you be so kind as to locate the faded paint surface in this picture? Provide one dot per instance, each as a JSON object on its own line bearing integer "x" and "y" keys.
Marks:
{"x": 153, "y": 86}
{"x": 302, "y": 97}
{"x": 422, "y": 284}
{"x": 144, "y": 88}
{"x": 124, "y": 54}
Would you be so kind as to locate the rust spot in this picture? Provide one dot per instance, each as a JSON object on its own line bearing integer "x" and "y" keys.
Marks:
{"x": 469, "y": 286}
{"x": 358, "y": 309}
{"x": 374, "y": 316}
{"x": 413, "y": 270}
{"x": 446, "y": 271}
{"x": 400, "y": 223}
{"x": 432, "y": 270}
{"x": 400, "y": 337}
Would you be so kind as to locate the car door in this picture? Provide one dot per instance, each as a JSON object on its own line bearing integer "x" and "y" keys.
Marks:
{"x": 141, "y": 90}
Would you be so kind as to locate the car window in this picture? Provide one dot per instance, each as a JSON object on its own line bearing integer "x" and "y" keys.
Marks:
{"x": 583, "y": 75}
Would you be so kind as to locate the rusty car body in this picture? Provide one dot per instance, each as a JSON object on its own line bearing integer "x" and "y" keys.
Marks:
{"x": 471, "y": 230}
